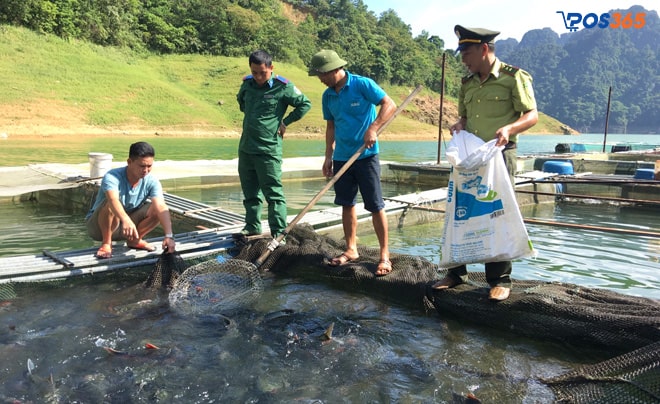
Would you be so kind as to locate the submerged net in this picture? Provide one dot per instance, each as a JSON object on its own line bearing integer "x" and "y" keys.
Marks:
{"x": 166, "y": 271}
{"x": 215, "y": 287}
{"x": 633, "y": 377}
{"x": 306, "y": 254}
{"x": 15, "y": 181}
{"x": 569, "y": 314}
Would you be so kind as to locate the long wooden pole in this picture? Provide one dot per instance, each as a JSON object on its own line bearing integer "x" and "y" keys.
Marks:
{"x": 622, "y": 181}
{"x": 442, "y": 101}
{"x": 590, "y": 227}
{"x": 607, "y": 117}
{"x": 563, "y": 224}
{"x": 598, "y": 198}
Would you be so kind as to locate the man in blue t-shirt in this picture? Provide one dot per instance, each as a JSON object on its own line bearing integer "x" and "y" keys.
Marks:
{"x": 122, "y": 210}
{"x": 349, "y": 108}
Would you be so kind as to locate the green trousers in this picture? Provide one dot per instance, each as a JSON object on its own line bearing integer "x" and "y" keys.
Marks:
{"x": 261, "y": 177}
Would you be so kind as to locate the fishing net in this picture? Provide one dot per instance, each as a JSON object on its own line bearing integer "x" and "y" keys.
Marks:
{"x": 307, "y": 255}
{"x": 166, "y": 271}
{"x": 571, "y": 315}
{"x": 633, "y": 378}
{"x": 15, "y": 181}
{"x": 564, "y": 312}
{"x": 7, "y": 292}
{"x": 216, "y": 286}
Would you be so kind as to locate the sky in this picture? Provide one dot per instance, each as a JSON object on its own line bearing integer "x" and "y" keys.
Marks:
{"x": 513, "y": 18}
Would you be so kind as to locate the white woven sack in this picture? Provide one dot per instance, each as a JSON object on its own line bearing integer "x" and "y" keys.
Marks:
{"x": 483, "y": 222}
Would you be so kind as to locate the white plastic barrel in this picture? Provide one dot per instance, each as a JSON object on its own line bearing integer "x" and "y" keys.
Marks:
{"x": 99, "y": 164}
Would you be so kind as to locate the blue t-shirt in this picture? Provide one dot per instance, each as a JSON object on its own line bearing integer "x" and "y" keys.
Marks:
{"x": 352, "y": 110}
{"x": 130, "y": 197}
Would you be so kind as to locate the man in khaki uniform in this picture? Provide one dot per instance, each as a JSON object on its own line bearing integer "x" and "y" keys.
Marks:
{"x": 496, "y": 101}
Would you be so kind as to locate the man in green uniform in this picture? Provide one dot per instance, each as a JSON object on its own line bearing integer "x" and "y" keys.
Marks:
{"x": 264, "y": 99}
{"x": 496, "y": 101}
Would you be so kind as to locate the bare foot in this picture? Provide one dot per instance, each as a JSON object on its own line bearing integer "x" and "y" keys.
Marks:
{"x": 384, "y": 268}
{"x": 104, "y": 252}
{"x": 142, "y": 245}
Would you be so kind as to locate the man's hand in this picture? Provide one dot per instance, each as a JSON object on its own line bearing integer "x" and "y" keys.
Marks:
{"x": 502, "y": 135}
{"x": 169, "y": 245}
{"x": 129, "y": 230}
{"x": 282, "y": 129}
{"x": 457, "y": 127}
{"x": 327, "y": 168}
{"x": 370, "y": 137}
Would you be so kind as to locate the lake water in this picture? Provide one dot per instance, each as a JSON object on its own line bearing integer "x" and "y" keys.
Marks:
{"x": 382, "y": 353}
{"x": 17, "y": 151}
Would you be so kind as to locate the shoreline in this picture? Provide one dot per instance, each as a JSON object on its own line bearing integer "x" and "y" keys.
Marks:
{"x": 91, "y": 132}
{"x": 27, "y": 133}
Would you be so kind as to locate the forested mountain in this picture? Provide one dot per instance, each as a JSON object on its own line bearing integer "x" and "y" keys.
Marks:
{"x": 572, "y": 72}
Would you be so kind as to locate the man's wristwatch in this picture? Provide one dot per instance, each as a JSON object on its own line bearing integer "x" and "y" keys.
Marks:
{"x": 169, "y": 235}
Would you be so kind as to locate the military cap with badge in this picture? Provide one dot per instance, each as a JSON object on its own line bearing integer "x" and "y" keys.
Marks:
{"x": 471, "y": 36}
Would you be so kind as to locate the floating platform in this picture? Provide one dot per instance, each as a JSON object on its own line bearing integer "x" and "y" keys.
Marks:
{"x": 216, "y": 225}
{"x": 218, "y": 238}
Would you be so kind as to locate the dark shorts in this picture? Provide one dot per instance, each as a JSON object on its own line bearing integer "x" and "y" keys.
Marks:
{"x": 364, "y": 175}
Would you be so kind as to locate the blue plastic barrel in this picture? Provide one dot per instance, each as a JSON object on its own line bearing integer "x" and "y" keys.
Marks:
{"x": 578, "y": 148}
{"x": 558, "y": 167}
{"x": 645, "y": 174}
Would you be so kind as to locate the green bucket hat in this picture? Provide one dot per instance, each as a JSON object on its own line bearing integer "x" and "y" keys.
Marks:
{"x": 325, "y": 61}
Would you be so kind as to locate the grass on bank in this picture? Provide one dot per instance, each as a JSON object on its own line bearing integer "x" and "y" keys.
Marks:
{"x": 116, "y": 88}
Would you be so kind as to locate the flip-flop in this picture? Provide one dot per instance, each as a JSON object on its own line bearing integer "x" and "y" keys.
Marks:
{"x": 342, "y": 258}
{"x": 103, "y": 253}
{"x": 384, "y": 268}
{"x": 142, "y": 245}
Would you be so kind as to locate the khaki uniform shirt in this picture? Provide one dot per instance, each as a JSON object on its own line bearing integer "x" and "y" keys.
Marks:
{"x": 498, "y": 101}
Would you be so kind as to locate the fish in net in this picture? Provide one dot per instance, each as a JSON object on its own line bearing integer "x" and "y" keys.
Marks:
{"x": 627, "y": 327}
{"x": 215, "y": 287}
{"x": 577, "y": 316}
{"x": 207, "y": 285}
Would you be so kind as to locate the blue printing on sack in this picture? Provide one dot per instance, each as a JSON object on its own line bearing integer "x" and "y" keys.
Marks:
{"x": 467, "y": 206}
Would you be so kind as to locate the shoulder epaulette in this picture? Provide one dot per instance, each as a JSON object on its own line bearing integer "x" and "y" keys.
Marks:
{"x": 508, "y": 69}
{"x": 282, "y": 79}
{"x": 467, "y": 78}
{"x": 248, "y": 77}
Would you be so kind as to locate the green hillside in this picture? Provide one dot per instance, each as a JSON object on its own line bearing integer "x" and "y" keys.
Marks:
{"x": 73, "y": 83}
